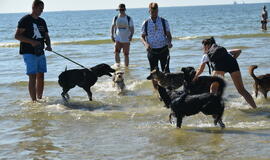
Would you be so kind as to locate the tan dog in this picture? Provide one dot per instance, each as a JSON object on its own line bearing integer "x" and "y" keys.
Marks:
{"x": 262, "y": 82}
{"x": 118, "y": 81}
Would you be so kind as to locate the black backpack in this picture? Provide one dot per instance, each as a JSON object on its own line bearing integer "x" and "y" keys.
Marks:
{"x": 216, "y": 53}
{"x": 163, "y": 25}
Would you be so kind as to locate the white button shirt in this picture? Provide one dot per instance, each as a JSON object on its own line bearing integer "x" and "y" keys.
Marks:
{"x": 155, "y": 33}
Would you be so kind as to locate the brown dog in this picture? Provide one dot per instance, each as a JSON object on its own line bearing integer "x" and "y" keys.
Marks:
{"x": 262, "y": 82}
{"x": 167, "y": 80}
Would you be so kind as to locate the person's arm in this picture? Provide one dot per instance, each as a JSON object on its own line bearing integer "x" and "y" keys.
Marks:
{"x": 131, "y": 32}
{"x": 19, "y": 36}
{"x": 145, "y": 43}
{"x": 112, "y": 32}
{"x": 131, "y": 29}
{"x": 143, "y": 37}
{"x": 48, "y": 42}
{"x": 199, "y": 71}
{"x": 169, "y": 38}
{"x": 235, "y": 52}
{"x": 168, "y": 34}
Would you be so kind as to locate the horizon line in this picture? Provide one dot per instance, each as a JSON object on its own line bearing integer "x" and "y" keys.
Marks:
{"x": 70, "y": 10}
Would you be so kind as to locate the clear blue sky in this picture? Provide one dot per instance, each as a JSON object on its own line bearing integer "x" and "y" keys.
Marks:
{"x": 12, "y": 6}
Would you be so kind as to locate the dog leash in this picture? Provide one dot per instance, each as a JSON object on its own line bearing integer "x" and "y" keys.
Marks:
{"x": 70, "y": 60}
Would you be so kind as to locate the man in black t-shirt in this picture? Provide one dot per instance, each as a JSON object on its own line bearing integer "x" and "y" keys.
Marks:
{"x": 32, "y": 32}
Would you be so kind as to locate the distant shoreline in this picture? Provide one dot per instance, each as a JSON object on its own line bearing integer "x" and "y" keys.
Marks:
{"x": 130, "y": 8}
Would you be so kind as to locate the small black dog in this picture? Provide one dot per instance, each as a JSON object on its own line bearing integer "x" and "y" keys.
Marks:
{"x": 84, "y": 78}
{"x": 185, "y": 104}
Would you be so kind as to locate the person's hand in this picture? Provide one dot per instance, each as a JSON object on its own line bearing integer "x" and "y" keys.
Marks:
{"x": 195, "y": 78}
{"x": 147, "y": 47}
{"x": 130, "y": 38}
{"x": 113, "y": 39}
{"x": 48, "y": 48}
{"x": 170, "y": 45}
{"x": 35, "y": 43}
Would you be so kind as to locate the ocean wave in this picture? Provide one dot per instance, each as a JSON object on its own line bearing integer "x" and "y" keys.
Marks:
{"x": 9, "y": 45}
{"x": 108, "y": 41}
{"x": 25, "y": 83}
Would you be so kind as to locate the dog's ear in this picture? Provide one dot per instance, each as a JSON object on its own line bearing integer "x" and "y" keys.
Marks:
{"x": 149, "y": 77}
{"x": 183, "y": 69}
{"x": 157, "y": 69}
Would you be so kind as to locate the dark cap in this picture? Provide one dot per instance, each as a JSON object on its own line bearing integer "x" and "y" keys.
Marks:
{"x": 121, "y": 6}
{"x": 153, "y": 6}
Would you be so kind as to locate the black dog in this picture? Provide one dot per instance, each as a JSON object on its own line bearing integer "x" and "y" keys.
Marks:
{"x": 195, "y": 97}
{"x": 185, "y": 104}
{"x": 84, "y": 78}
{"x": 202, "y": 84}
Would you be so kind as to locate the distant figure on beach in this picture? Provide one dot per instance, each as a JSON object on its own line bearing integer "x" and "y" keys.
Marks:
{"x": 221, "y": 63}
{"x": 157, "y": 39}
{"x": 264, "y": 18}
{"x": 122, "y": 30}
{"x": 32, "y": 32}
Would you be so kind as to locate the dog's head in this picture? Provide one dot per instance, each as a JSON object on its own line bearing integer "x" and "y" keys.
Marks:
{"x": 118, "y": 76}
{"x": 102, "y": 69}
{"x": 155, "y": 75}
{"x": 189, "y": 73}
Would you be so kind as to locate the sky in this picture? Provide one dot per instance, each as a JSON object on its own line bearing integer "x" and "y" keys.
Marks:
{"x": 15, "y": 6}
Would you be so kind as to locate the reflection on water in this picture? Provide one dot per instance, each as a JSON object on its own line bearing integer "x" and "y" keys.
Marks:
{"x": 36, "y": 142}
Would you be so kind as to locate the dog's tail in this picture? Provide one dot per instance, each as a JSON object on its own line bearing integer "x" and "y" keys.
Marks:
{"x": 251, "y": 72}
{"x": 164, "y": 96}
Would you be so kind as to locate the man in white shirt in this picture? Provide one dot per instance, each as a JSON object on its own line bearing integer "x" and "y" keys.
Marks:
{"x": 122, "y": 30}
{"x": 157, "y": 38}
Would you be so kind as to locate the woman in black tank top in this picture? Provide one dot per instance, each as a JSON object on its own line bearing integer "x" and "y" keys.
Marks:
{"x": 222, "y": 63}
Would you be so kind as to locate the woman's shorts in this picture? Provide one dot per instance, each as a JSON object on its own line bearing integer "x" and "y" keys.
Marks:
{"x": 227, "y": 64}
{"x": 35, "y": 64}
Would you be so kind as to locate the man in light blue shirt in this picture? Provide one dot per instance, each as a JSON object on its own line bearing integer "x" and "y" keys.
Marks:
{"x": 157, "y": 38}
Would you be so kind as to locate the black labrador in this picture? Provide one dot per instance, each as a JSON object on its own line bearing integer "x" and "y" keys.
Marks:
{"x": 195, "y": 98}
{"x": 84, "y": 78}
{"x": 184, "y": 104}
{"x": 202, "y": 84}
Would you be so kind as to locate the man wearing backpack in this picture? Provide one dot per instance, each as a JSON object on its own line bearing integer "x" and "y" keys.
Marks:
{"x": 156, "y": 37}
{"x": 122, "y": 30}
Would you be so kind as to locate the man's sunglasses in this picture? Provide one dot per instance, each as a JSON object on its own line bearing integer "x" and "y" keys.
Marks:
{"x": 122, "y": 9}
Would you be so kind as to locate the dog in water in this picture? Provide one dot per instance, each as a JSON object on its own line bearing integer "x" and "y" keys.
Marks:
{"x": 167, "y": 80}
{"x": 118, "y": 81}
{"x": 262, "y": 82}
{"x": 185, "y": 104}
{"x": 202, "y": 84}
{"x": 84, "y": 78}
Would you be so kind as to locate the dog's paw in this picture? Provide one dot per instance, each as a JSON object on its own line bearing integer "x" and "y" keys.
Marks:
{"x": 222, "y": 125}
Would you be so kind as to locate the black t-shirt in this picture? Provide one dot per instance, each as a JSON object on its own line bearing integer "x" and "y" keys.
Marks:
{"x": 34, "y": 29}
